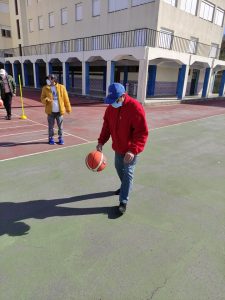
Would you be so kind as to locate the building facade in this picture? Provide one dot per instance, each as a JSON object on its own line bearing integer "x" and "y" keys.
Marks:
{"x": 156, "y": 48}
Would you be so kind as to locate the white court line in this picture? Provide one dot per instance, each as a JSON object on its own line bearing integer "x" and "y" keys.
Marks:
{"x": 90, "y": 142}
{"x": 37, "y": 123}
{"x": 181, "y": 123}
{"x": 27, "y": 155}
{"x": 19, "y": 126}
{"x": 22, "y": 133}
{"x": 76, "y": 136}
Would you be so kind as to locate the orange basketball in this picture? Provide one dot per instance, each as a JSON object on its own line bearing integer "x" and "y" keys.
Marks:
{"x": 95, "y": 161}
{"x": 1, "y": 103}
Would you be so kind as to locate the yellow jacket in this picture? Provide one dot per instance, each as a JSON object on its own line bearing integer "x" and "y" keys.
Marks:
{"x": 47, "y": 99}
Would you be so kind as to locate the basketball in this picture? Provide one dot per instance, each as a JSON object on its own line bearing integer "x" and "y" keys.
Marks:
{"x": 95, "y": 161}
{"x": 1, "y": 103}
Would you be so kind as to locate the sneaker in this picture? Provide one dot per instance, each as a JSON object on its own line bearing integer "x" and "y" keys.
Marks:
{"x": 117, "y": 192}
{"x": 51, "y": 141}
{"x": 61, "y": 141}
{"x": 8, "y": 117}
{"x": 122, "y": 207}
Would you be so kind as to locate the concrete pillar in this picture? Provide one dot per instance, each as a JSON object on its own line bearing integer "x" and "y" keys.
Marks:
{"x": 110, "y": 73}
{"x": 104, "y": 78}
{"x": 34, "y": 74}
{"x": 85, "y": 78}
{"x": 182, "y": 81}
{"x": 66, "y": 78}
{"x": 23, "y": 76}
{"x": 142, "y": 80}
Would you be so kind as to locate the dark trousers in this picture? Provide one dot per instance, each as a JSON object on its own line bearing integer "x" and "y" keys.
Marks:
{"x": 7, "y": 100}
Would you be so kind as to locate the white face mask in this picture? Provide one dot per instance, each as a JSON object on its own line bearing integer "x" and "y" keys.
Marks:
{"x": 48, "y": 82}
{"x": 117, "y": 104}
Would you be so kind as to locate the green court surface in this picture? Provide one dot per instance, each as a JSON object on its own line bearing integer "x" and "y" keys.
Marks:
{"x": 60, "y": 236}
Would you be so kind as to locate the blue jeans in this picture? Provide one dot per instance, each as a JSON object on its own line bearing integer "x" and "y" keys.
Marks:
{"x": 126, "y": 174}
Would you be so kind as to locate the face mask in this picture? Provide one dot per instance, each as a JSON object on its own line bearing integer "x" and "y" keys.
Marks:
{"x": 116, "y": 104}
{"x": 48, "y": 82}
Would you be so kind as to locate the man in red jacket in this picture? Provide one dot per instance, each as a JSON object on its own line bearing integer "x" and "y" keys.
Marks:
{"x": 125, "y": 122}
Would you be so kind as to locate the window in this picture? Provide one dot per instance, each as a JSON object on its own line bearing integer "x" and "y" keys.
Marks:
{"x": 189, "y": 6}
{"x": 4, "y": 8}
{"x": 219, "y": 17}
{"x": 6, "y": 32}
{"x": 172, "y": 2}
{"x": 115, "y": 5}
{"x": 78, "y": 12}
{"x": 206, "y": 11}
{"x": 192, "y": 48}
{"x": 64, "y": 15}
{"x": 40, "y": 23}
{"x": 31, "y": 25}
{"x": 51, "y": 19}
{"x": 95, "y": 8}
{"x": 213, "y": 50}
{"x": 140, "y": 37}
{"x": 165, "y": 38}
{"x": 139, "y": 2}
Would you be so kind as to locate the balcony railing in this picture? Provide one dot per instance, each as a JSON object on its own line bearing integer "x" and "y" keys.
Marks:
{"x": 134, "y": 38}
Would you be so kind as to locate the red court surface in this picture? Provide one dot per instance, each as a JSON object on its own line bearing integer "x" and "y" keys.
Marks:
{"x": 26, "y": 137}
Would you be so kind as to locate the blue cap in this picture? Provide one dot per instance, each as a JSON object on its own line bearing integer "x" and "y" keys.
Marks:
{"x": 115, "y": 91}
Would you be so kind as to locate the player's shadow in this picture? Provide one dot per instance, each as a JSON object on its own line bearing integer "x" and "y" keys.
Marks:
{"x": 12, "y": 215}
{"x": 13, "y": 144}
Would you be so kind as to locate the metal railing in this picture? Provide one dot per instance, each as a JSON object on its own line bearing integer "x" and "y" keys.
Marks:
{"x": 133, "y": 38}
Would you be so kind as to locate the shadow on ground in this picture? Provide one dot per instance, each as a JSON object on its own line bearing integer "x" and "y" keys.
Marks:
{"x": 13, "y": 214}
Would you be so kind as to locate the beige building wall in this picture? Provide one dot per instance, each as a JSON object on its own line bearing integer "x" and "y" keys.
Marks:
{"x": 5, "y": 42}
{"x": 154, "y": 15}
{"x": 163, "y": 73}
{"x": 143, "y": 16}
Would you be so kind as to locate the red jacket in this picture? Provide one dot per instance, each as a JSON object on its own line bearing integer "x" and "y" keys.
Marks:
{"x": 126, "y": 125}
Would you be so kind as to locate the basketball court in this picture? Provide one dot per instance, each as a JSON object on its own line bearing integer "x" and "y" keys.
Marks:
{"x": 60, "y": 235}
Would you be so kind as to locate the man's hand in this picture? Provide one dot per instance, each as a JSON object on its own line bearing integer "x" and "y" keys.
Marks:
{"x": 99, "y": 147}
{"x": 14, "y": 95}
{"x": 129, "y": 156}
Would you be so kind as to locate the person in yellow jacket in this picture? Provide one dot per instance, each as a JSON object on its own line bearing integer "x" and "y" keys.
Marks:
{"x": 56, "y": 100}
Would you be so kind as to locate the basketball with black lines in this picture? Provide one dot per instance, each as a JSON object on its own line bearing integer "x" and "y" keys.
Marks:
{"x": 96, "y": 161}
